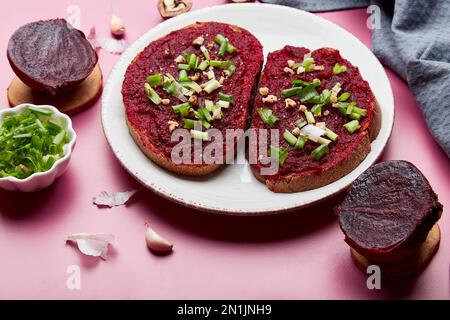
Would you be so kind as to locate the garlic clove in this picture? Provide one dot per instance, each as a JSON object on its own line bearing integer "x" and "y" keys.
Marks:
{"x": 157, "y": 243}
{"x": 117, "y": 26}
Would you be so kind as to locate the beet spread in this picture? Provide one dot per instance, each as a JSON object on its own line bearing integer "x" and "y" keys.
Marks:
{"x": 388, "y": 211}
{"x": 300, "y": 162}
{"x": 51, "y": 55}
{"x": 159, "y": 57}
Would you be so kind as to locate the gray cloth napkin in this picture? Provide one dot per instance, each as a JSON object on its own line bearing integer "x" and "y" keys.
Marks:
{"x": 414, "y": 41}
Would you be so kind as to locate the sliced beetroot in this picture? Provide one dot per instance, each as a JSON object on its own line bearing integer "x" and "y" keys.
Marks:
{"x": 51, "y": 56}
{"x": 388, "y": 211}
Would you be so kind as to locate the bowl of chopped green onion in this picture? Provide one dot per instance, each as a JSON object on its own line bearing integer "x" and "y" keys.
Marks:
{"x": 36, "y": 144}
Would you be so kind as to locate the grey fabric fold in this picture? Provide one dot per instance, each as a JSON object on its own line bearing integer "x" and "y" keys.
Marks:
{"x": 414, "y": 41}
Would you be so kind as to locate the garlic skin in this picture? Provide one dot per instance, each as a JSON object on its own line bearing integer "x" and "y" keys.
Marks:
{"x": 157, "y": 243}
{"x": 117, "y": 26}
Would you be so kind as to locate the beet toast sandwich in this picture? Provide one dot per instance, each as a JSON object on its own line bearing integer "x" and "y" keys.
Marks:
{"x": 197, "y": 78}
{"x": 325, "y": 113}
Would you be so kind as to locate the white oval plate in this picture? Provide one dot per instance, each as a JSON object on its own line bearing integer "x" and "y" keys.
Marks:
{"x": 234, "y": 190}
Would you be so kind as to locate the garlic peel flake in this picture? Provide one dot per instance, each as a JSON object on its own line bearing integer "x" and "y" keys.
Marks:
{"x": 93, "y": 244}
{"x": 106, "y": 199}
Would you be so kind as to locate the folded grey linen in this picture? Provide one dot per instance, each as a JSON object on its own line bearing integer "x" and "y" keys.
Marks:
{"x": 414, "y": 41}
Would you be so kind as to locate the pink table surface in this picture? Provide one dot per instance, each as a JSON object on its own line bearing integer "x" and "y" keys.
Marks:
{"x": 293, "y": 256}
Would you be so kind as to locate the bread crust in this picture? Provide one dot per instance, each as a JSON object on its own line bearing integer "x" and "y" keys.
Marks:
{"x": 156, "y": 156}
{"x": 303, "y": 182}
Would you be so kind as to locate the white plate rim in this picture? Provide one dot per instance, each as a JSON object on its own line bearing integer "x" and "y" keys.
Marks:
{"x": 131, "y": 52}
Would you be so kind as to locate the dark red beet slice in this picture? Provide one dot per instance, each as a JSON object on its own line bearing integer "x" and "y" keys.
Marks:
{"x": 388, "y": 211}
{"x": 51, "y": 56}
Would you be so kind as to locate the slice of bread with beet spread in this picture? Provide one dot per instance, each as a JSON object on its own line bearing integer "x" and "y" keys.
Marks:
{"x": 200, "y": 77}
{"x": 326, "y": 115}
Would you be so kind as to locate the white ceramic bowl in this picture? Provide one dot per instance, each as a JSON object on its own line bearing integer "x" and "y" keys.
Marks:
{"x": 41, "y": 180}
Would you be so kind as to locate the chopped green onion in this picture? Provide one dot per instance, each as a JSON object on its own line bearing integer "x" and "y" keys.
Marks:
{"x": 296, "y": 65}
{"x": 209, "y": 105}
{"x": 186, "y": 56}
{"x": 155, "y": 80}
{"x": 151, "y": 94}
{"x": 59, "y": 138}
{"x": 302, "y": 83}
{"x": 230, "y": 70}
{"x": 317, "y": 109}
{"x": 320, "y": 151}
{"x": 289, "y": 137}
{"x": 212, "y": 86}
{"x": 199, "y": 135}
{"x": 193, "y": 61}
{"x": 308, "y": 62}
{"x": 278, "y": 154}
{"x": 354, "y": 116}
{"x": 182, "y": 109}
{"x": 205, "y": 52}
{"x": 230, "y": 48}
{"x": 194, "y": 86}
{"x": 183, "y": 76}
{"x": 203, "y": 114}
{"x": 174, "y": 88}
{"x": 300, "y": 123}
{"x": 344, "y": 97}
{"x": 267, "y": 116}
{"x": 220, "y": 64}
{"x": 22, "y": 136}
{"x": 191, "y": 124}
{"x": 225, "y": 97}
{"x": 300, "y": 142}
{"x": 41, "y": 111}
{"x": 349, "y": 110}
{"x": 360, "y": 111}
{"x": 219, "y": 39}
{"x": 30, "y": 143}
{"x": 309, "y": 117}
{"x": 210, "y": 74}
{"x": 203, "y": 65}
{"x": 297, "y": 143}
{"x": 184, "y": 66}
{"x": 286, "y": 93}
{"x": 223, "y": 104}
{"x": 352, "y": 126}
{"x": 330, "y": 134}
{"x": 223, "y": 42}
{"x": 337, "y": 69}
{"x": 223, "y": 48}
{"x": 308, "y": 93}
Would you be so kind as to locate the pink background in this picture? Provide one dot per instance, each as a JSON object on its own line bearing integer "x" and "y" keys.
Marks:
{"x": 296, "y": 256}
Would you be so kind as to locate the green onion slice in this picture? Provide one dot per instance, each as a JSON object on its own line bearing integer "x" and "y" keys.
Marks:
{"x": 182, "y": 109}
{"x": 320, "y": 151}
{"x": 267, "y": 116}
{"x": 278, "y": 154}
{"x": 152, "y": 94}
{"x": 220, "y": 64}
{"x": 286, "y": 93}
{"x": 225, "y": 97}
{"x": 155, "y": 80}
{"x": 352, "y": 126}
{"x": 211, "y": 86}
{"x": 205, "y": 52}
{"x": 337, "y": 69}
{"x": 183, "y": 76}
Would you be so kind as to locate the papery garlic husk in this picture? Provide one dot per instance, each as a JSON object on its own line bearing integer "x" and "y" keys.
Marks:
{"x": 117, "y": 26}
{"x": 156, "y": 242}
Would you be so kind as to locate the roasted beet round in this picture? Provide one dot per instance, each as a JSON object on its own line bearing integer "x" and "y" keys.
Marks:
{"x": 389, "y": 211}
{"x": 51, "y": 56}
